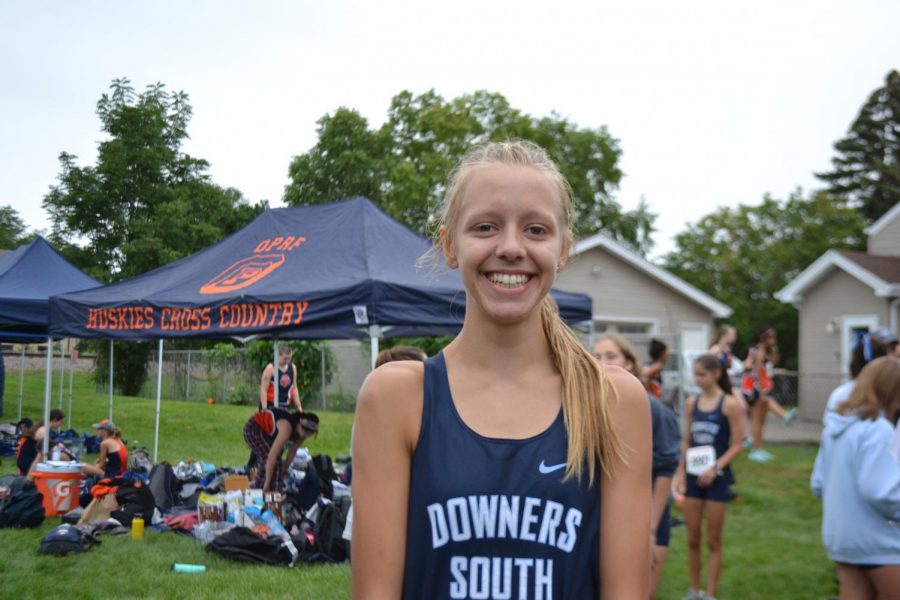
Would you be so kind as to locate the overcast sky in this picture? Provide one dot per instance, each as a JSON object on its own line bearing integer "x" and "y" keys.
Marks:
{"x": 714, "y": 103}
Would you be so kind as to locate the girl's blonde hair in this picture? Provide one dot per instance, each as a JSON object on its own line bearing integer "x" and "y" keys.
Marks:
{"x": 876, "y": 389}
{"x": 626, "y": 348}
{"x": 592, "y": 439}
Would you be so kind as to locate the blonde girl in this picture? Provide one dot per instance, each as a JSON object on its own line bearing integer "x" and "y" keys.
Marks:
{"x": 511, "y": 464}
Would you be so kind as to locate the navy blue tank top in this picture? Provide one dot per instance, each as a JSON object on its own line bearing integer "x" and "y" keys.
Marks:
{"x": 285, "y": 381}
{"x": 493, "y": 518}
{"x": 712, "y": 429}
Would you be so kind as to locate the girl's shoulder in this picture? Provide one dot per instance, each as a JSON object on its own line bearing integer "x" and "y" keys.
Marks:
{"x": 732, "y": 403}
{"x": 391, "y": 400}
{"x": 393, "y": 384}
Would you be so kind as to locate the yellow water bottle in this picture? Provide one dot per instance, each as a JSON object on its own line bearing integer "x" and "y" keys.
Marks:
{"x": 137, "y": 528}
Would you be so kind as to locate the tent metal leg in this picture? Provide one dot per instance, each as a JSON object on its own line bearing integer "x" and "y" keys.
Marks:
{"x": 111, "y": 349}
{"x": 158, "y": 396}
{"x": 62, "y": 371}
{"x": 48, "y": 376}
{"x": 21, "y": 380}
{"x": 71, "y": 377}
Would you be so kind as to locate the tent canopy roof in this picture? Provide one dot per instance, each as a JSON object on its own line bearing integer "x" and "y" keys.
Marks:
{"x": 321, "y": 271}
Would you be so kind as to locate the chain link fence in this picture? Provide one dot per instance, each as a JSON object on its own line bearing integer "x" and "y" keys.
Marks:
{"x": 207, "y": 375}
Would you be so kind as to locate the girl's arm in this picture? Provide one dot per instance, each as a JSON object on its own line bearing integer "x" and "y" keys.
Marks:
{"x": 625, "y": 497}
{"x": 734, "y": 412}
{"x": 284, "y": 433}
{"x": 264, "y": 386}
{"x": 662, "y": 486}
{"x": 295, "y": 390}
{"x": 680, "y": 475}
{"x": 388, "y": 422}
{"x": 104, "y": 450}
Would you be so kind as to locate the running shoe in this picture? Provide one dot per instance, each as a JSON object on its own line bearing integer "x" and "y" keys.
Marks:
{"x": 789, "y": 416}
{"x": 748, "y": 441}
{"x": 760, "y": 455}
{"x": 694, "y": 595}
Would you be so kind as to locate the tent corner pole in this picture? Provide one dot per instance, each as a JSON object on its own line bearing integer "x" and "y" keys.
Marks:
{"x": 374, "y": 335}
{"x": 48, "y": 376}
{"x": 158, "y": 396}
{"x": 21, "y": 380}
{"x": 111, "y": 348}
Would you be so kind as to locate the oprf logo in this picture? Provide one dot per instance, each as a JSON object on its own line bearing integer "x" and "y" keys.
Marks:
{"x": 249, "y": 270}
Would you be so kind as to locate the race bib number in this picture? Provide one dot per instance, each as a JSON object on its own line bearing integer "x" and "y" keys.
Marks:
{"x": 699, "y": 459}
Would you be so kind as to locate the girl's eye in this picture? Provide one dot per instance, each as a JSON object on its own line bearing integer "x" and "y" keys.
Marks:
{"x": 536, "y": 230}
{"x": 484, "y": 228}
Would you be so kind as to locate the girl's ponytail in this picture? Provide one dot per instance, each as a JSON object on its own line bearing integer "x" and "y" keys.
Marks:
{"x": 593, "y": 440}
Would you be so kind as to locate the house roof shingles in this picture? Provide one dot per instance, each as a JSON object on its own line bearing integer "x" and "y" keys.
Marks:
{"x": 886, "y": 268}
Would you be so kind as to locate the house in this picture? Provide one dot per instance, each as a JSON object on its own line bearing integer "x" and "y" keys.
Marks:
{"x": 638, "y": 299}
{"x": 839, "y": 295}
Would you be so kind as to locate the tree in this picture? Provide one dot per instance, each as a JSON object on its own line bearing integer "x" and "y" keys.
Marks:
{"x": 866, "y": 171}
{"x": 743, "y": 256}
{"x": 403, "y": 165}
{"x": 144, "y": 204}
{"x": 12, "y": 228}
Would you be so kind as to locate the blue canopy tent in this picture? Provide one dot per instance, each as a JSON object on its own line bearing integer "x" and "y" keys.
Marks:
{"x": 341, "y": 270}
{"x": 29, "y": 275}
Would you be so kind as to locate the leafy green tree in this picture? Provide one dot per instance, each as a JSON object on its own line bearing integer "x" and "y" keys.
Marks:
{"x": 866, "y": 171}
{"x": 12, "y": 228}
{"x": 144, "y": 204}
{"x": 403, "y": 165}
{"x": 742, "y": 256}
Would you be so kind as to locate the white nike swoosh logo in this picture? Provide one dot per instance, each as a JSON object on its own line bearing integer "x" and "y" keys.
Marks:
{"x": 550, "y": 468}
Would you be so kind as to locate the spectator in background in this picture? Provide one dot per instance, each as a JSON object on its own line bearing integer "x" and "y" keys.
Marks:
{"x": 758, "y": 388}
{"x": 27, "y": 450}
{"x": 614, "y": 349}
{"x": 714, "y": 419}
{"x": 286, "y": 384}
{"x": 726, "y": 336}
{"x": 651, "y": 373}
{"x": 400, "y": 353}
{"x": 859, "y": 485}
{"x": 866, "y": 348}
{"x": 113, "y": 459}
{"x": 267, "y": 433}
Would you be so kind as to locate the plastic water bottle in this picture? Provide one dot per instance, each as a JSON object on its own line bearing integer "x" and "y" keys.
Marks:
{"x": 137, "y": 528}
{"x": 186, "y": 568}
{"x": 54, "y": 455}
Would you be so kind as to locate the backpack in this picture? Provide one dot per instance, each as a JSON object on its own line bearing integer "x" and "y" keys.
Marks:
{"x": 239, "y": 543}
{"x": 140, "y": 461}
{"x": 327, "y": 474}
{"x": 66, "y": 539}
{"x": 162, "y": 485}
{"x": 24, "y": 508}
{"x": 329, "y": 530}
{"x": 135, "y": 500}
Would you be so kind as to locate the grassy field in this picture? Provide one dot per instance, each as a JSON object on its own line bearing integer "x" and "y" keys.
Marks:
{"x": 771, "y": 541}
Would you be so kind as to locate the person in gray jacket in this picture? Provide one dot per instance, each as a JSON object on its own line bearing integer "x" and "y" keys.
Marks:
{"x": 859, "y": 484}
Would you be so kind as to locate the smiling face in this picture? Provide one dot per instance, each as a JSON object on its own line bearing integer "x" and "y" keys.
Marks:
{"x": 508, "y": 239}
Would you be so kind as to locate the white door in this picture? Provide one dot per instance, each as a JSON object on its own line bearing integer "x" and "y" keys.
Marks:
{"x": 851, "y": 326}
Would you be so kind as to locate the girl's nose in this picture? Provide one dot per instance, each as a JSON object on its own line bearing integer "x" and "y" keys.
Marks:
{"x": 509, "y": 245}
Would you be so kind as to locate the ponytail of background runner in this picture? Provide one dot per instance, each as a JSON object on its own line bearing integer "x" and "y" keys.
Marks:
{"x": 593, "y": 442}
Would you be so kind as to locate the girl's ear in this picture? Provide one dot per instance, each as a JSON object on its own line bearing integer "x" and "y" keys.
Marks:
{"x": 447, "y": 248}
{"x": 564, "y": 255}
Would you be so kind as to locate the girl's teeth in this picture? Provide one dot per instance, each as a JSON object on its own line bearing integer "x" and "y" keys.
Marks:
{"x": 507, "y": 280}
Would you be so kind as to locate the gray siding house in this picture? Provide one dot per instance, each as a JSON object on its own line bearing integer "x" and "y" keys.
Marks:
{"x": 840, "y": 294}
{"x": 638, "y": 299}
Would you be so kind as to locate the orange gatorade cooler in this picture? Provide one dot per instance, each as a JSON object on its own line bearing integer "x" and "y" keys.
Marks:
{"x": 58, "y": 482}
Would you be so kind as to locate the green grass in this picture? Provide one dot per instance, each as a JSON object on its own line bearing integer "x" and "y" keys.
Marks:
{"x": 771, "y": 541}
